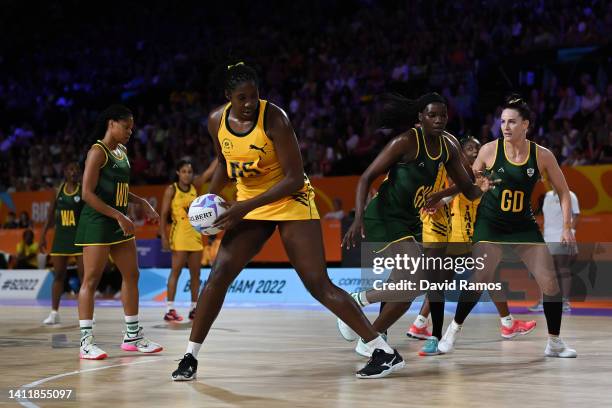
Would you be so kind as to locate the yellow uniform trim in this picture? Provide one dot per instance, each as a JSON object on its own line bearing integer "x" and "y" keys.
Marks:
{"x": 395, "y": 242}
{"x": 416, "y": 134}
{"x": 58, "y": 254}
{"x": 106, "y": 243}
{"x": 427, "y": 151}
{"x": 524, "y": 161}
{"x": 74, "y": 192}
{"x": 494, "y": 157}
{"x": 121, "y": 149}
{"x": 105, "y": 154}
{"x": 513, "y": 243}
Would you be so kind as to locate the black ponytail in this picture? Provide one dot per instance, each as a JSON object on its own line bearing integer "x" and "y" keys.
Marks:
{"x": 395, "y": 111}
{"x": 113, "y": 112}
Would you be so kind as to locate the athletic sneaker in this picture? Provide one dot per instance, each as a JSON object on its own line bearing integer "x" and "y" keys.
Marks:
{"x": 557, "y": 348}
{"x": 447, "y": 344}
{"x": 430, "y": 348}
{"x": 519, "y": 328}
{"x": 52, "y": 319}
{"x": 192, "y": 314}
{"x": 418, "y": 333}
{"x": 566, "y": 306}
{"x": 346, "y": 332}
{"x": 139, "y": 343}
{"x": 172, "y": 316}
{"x": 363, "y": 349}
{"x": 538, "y": 307}
{"x": 381, "y": 364}
{"x": 89, "y": 350}
{"x": 187, "y": 369}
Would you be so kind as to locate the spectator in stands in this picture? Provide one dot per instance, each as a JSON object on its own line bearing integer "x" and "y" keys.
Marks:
{"x": 24, "y": 220}
{"x": 11, "y": 221}
{"x": 27, "y": 251}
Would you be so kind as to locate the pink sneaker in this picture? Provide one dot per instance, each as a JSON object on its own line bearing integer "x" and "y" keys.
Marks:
{"x": 416, "y": 333}
{"x": 519, "y": 328}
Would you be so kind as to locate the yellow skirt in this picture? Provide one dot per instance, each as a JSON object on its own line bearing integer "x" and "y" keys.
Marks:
{"x": 184, "y": 238}
{"x": 437, "y": 227}
{"x": 298, "y": 206}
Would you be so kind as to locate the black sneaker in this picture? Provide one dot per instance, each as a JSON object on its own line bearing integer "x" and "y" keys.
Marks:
{"x": 381, "y": 364}
{"x": 192, "y": 314}
{"x": 187, "y": 369}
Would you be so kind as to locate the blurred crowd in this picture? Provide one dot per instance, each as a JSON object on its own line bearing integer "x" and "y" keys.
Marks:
{"x": 323, "y": 62}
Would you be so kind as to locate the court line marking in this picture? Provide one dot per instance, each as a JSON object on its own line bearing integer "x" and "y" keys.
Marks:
{"x": 27, "y": 403}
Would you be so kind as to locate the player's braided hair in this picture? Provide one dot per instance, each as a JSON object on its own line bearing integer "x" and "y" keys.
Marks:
{"x": 113, "y": 112}
{"x": 237, "y": 74}
{"x": 397, "y": 112}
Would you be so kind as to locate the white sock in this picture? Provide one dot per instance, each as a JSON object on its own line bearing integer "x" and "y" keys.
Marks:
{"x": 455, "y": 326}
{"x": 131, "y": 324}
{"x": 420, "y": 321}
{"x": 53, "y": 312}
{"x": 193, "y": 348}
{"x": 507, "y": 321}
{"x": 193, "y": 305}
{"x": 86, "y": 328}
{"x": 363, "y": 299}
{"x": 380, "y": 343}
{"x": 169, "y": 306}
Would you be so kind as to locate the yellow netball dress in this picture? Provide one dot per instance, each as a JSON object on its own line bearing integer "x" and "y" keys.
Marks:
{"x": 463, "y": 218}
{"x": 251, "y": 160}
{"x": 183, "y": 237}
{"x": 437, "y": 227}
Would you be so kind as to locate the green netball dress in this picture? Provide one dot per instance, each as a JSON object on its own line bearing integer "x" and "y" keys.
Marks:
{"x": 393, "y": 214}
{"x": 68, "y": 208}
{"x": 113, "y": 188}
{"x": 504, "y": 213}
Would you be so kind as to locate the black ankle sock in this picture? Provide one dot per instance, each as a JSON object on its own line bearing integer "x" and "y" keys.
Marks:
{"x": 553, "y": 309}
{"x": 467, "y": 300}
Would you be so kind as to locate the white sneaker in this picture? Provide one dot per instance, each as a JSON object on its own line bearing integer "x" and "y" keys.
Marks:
{"x": 140, "y": 343}
{"x": 538, "y": 307}
{"x": 363, "y": 349}
{"x": 566, "y": 306}
{"x": 557, "y": 348}
{"x": 346, "y": 332}
{"x": 52, "y": 319}
{"x": 447, "y": 344}
{"x": 89, "y": 350}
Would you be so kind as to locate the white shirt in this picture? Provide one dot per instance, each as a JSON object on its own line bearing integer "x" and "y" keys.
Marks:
{"x": 553, "y": 216}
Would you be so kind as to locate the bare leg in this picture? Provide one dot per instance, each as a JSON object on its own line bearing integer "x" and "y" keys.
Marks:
{"x": 124, "y": 255}
{"x": 304, "y": 245}
{"x": 59, "y": 278}
{"x": 178, "y": 261}
{"x": 94, "y": 261}
{"x": 193, "y": 262}
{"x": 238, "y": 246}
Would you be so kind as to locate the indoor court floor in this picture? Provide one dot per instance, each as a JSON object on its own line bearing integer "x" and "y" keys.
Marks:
{"x": 294, "y": 357}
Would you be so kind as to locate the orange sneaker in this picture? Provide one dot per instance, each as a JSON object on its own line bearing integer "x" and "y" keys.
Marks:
{"x": 519, "y": 328}
{"x": 419, "y": 334}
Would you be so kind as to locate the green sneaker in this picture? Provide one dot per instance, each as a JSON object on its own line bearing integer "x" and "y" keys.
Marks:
{"x": 430, "y": 348}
